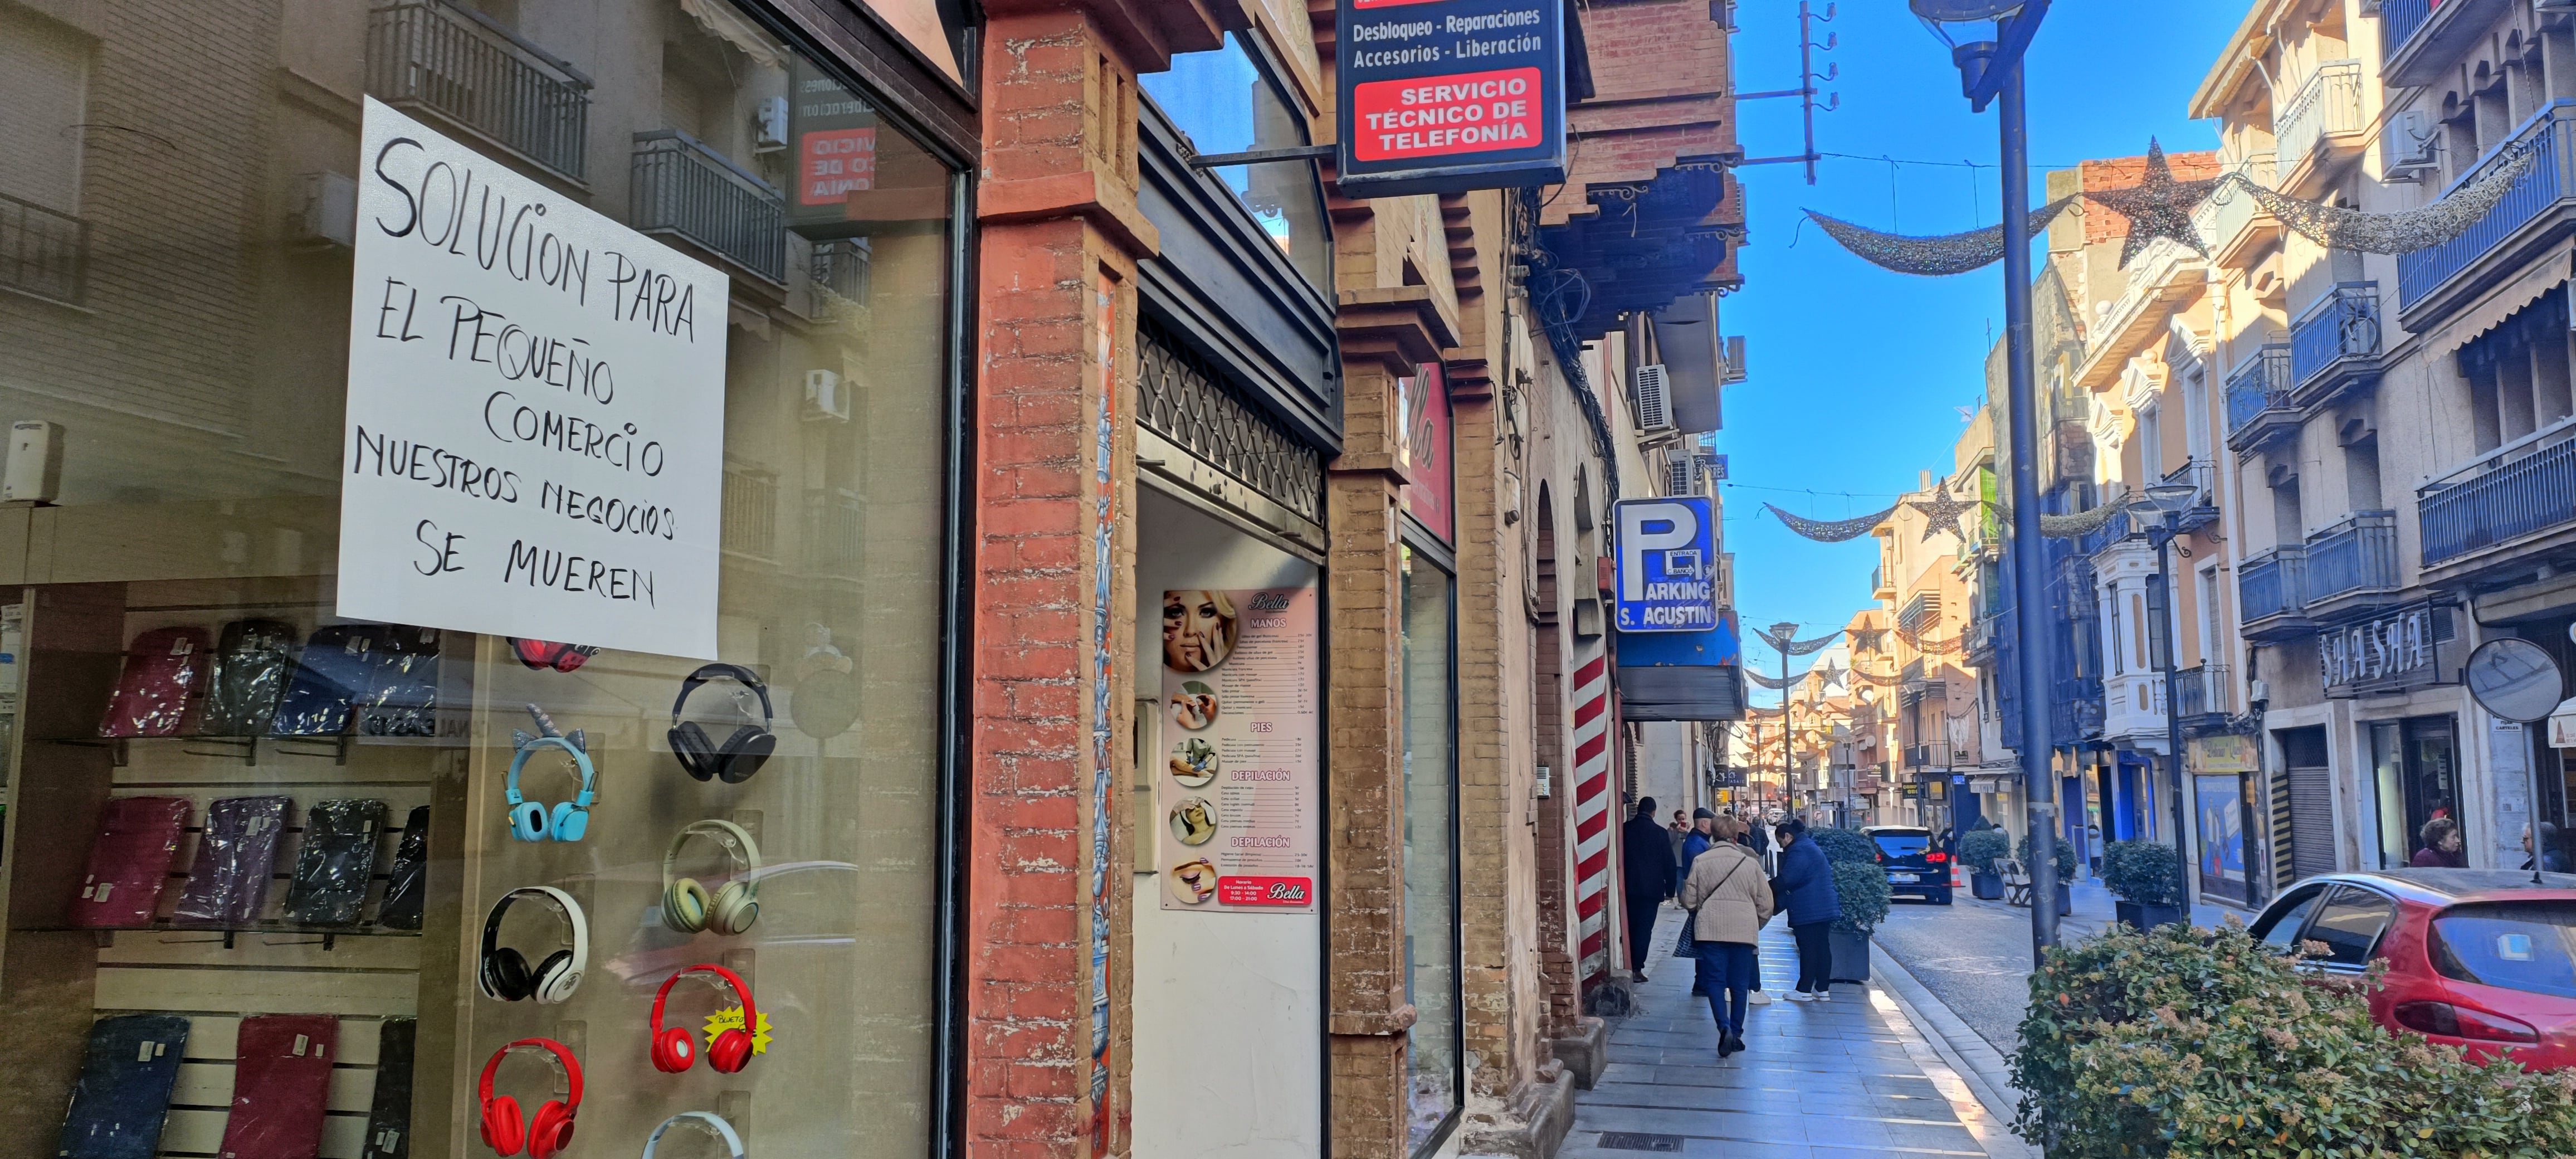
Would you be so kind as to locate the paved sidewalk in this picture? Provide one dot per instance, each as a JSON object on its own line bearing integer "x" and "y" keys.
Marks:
{"x": 1845, "y": 1078}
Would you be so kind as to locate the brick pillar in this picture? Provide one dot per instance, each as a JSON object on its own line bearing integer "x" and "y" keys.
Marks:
{"x": 1053, "y": 575}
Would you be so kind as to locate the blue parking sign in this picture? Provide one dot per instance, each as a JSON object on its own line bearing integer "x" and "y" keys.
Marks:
{"x": 1667, "y": 565}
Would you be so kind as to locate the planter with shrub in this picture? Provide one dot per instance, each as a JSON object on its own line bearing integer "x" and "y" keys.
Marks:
{"x": 2148, "y": 882}
{"x": 2065, "y": 870}
{"x": 2187, "y": 1043}
{"x": 1845, "y": 845}
{"x": 1979, "y": 849}
{"x": 1862, "y": 887}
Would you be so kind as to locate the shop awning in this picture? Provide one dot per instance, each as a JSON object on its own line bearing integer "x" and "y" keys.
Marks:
{"x": 1656, "y": 692}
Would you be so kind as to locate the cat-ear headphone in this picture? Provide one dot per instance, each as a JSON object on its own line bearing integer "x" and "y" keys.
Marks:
{"x": 724, "y": 1130}
{"x": 688, "y": 907}
{"x": 734, "y": 761}
{"x": 505, "y": 974}
{"x": 676, "y": 1050}
{"x": 531, "y": 820}
{"x": 551, "y": 1130}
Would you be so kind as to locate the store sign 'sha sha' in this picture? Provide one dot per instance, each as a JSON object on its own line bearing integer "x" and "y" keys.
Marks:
{"x": 1444, "y": 96}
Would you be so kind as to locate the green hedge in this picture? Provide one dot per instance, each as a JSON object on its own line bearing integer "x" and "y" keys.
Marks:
{"x": 1979, "y": 849}
{"x": 2188, "y": 1043}
{"x": 1865, "y": 895}
{"x": 1845, "y": 845}
{"x": 2143, "y": 872}
{"x": 2065, "y": 857}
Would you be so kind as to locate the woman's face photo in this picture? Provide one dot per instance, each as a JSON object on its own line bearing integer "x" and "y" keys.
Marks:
{"x": 1198, "y": 629}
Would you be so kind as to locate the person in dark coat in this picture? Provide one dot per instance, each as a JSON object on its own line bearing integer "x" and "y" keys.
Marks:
{"x": 1805, "y": 888}
{"x": 1702, "y": 835}
{"x": 1647, "y": 861}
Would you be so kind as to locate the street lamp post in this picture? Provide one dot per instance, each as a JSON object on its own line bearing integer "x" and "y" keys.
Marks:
{"x": 1989, "y": 60}
{"x": 2165, "y": 503}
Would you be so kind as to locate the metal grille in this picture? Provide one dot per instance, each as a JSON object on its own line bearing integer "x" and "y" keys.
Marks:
{"x": 43, "y": 252}
{"x": 2311, "y": 821}
{"x": 1183, "y": 398}
{"x": 1639, "y": 1141}
{"x": 683, "y": 187}
{"x": 842, "y": 267}
{"x": 469, "y": 70}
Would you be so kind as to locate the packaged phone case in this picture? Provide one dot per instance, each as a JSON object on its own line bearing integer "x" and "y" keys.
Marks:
{"x": 281, "y": 1082}
{"x": 124, "y": 1088}
{"x": 408, "y": 879}
{"x": 251, "y": 666}
{"x": 389, "y": 1122}
{"x": 402, "y": 697}
{"x": 164, "y": 675}
{"x": 236, "y": 858}
{"x": 338, "y": 859}
{"x": 131, "y": 859}
{"x": 335, "y": 669}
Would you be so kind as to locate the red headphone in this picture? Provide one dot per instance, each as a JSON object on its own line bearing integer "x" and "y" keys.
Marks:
{"x": 676, "y": 1050}
{"x": 551, "y": 1131}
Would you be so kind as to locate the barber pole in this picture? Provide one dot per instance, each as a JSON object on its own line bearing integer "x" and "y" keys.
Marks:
{"x": 1592, "y": 812}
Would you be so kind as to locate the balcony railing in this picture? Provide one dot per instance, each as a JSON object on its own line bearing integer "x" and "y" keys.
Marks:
{"x": 43, "y": 252}
{"x": 2546, "y": 135}
{"x": 2399, "y": 21}
{"x": 750, "y": 513}
{"x": 2202, "y": 690}
{"x": 472, "y": 71}
{"x": 2201, "y": 476}
{"x": 2516, "y": 492}
{"x": 2229, "y": 210}
{"x": 2356, "y": 555}
{"x": 2273, "y": 583}
{"x": 843, "y": 267}
{"x": 836, "y": 529}
{"x": 2329, "y": 103}
{"x": 2261, "y": 384}
{"x": 1918, "y": 756}
{"x": 2343, "y": 324}
{"x": 683, "y": 187}
{"x": 2094, "y": 542}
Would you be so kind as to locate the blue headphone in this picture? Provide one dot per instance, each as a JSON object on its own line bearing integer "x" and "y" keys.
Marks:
{"x": 529, "y": 820}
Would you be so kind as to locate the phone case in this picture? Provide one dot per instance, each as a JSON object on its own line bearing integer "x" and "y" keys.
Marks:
{"x": 338, "y": 858}
{"x": 402, "y": 697}
{"x": 408, "y": 879}
{"x": 124, "y": 1088}
{"x": 164, "y": 675}
{"x": 389, "y": 1121}
{"x": 250, "y": 671}
{"x": 129, "y": 862}
{"x": 335, "y": 669}
{"x": 281, "y": 1081}
{"x": 236, "y": 857}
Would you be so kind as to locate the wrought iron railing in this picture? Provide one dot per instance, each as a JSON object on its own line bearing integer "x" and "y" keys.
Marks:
{"x": 1918, "y": 756}
{"x": 2075, "y": 712}
{"x": 1190, "y": 401}
{"x": 2202, "y": 690}
{"x": 2261, "y": 384}
{"x": 2356, "y": 555}
{"x": 2273, "y": 583}
{"x": 2546, "y": 135}
{"x": 2504, "y": 497}
{"x": 2329, "y": 103}
{"x": 2228, "y": 210}
{"x": 684, "y": 188}
{"x": 471, "y": 71}
{"x": 2343, "y": 324}
{"x": 836, "y": 533}
{"x": 750, "y": 513}
{"x": 43, "y": 252}
{"x": 2201, "y": 476}
{"x": 2094, "y": 542}
{"x": 843, "y": 267}
{"x": 2399, "y": 21}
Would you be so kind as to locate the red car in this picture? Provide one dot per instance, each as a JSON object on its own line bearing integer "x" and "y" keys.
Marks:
{"x": 2477, "y": 958}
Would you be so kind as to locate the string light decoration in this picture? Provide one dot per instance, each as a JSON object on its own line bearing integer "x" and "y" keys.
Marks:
{"x": 1774, "y": 683}
{"x": 2081, "y": 523}
{"x": 2157, "y": 206}
{"x": 1943, "y": 512}
{"x": 1831, "y": 532}
{"x": 1798, "y": 647}
{"x": 2393, "y": 233}
{"x": 1932, "y": 257}
{"x": 1927, "y": 645}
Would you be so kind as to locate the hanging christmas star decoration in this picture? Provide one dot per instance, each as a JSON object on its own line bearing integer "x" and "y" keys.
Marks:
{"x": 1868, "y": 639}
{"x": 2157, "y": 206}
{"x": 1934, "y": 256}
{"x": 1833, "y": 673}
{"x": 1941, "y": 515}
{"x": 1833, "y": 532}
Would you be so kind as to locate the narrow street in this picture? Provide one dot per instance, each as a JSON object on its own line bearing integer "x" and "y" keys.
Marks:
{"x": 1972, "y": 955}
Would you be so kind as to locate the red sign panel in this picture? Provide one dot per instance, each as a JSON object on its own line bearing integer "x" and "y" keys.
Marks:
{"x": 1443, "y": 116}
{"x": 1280, "y": 891}
{"x": 1427, "y": 450}
{"x": 832, "y": 163}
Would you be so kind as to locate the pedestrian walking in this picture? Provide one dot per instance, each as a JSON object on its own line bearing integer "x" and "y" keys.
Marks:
{"x": 1742, "y": 838}
{"x": 1728, "y": 901}
{"x": 1680, "y": 830}
{"x": 1805, "y": 888}
{"x": 1647, "y": 852}
{"x": 2551, "y": 859}
{"x": 2441, "y": 846}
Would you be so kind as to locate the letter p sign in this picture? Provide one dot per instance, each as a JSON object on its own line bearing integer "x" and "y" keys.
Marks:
{"x": 1665, "y": 584}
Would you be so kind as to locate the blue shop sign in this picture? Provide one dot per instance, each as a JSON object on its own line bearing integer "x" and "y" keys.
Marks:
{"x": 1667, "y": 565}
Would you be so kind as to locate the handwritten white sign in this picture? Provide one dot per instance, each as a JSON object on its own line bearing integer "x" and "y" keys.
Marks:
{"x": 535, "y": 442}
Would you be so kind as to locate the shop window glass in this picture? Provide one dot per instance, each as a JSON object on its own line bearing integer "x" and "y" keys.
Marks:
{"x": 1226, "y": 102}
{"x": 1430, "y": 853}
{"x": 263, "y": 835}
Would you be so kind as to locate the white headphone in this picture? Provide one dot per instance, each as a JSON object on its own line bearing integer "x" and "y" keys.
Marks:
{"x": 505, "y": 973}
{"x": 689, "y": 907}
{"x": 733, "y": 1142}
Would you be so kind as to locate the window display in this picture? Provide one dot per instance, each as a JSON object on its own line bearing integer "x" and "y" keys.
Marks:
{"x": 1431, "y": 977}
{"x": 285, "y": 877}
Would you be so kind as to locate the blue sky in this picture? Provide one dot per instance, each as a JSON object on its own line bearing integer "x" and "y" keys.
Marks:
{"x": 1857, "y": 373}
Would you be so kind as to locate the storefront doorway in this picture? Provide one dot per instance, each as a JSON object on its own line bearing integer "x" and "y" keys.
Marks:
{"x": 2415, "y": 779}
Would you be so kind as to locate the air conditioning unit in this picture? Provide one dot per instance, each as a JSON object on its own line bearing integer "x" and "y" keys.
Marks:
{"x": 825, "y": 398}
{"x": 2410, "y": 146}
{"x": 1654, "y": 400}
{"x": 1678, "y": 477}
{"x": 326, "y": 211}
{"x": 769, "y": 121}
{"x": 1733, "y": 370}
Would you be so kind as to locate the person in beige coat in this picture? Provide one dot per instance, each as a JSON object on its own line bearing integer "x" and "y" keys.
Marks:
{"x": 1729, "y": 899}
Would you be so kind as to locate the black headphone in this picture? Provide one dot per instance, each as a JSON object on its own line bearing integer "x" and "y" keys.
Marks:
{"x": 506, "y": 974}
{"x": 741, "y": 755}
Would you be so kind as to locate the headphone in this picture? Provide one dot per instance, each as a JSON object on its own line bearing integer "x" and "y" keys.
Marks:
{"x": 544, "y": 654}
{"x": 733, "y": 1142}
{"x": 688, "y": 907}
{"x": 676, "y": 1050}
{"x": 551, "y": 1131}
{"x": 530, "y": 820}
{"x": 741, "y": 754}
{"x": 505, "y": 974}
